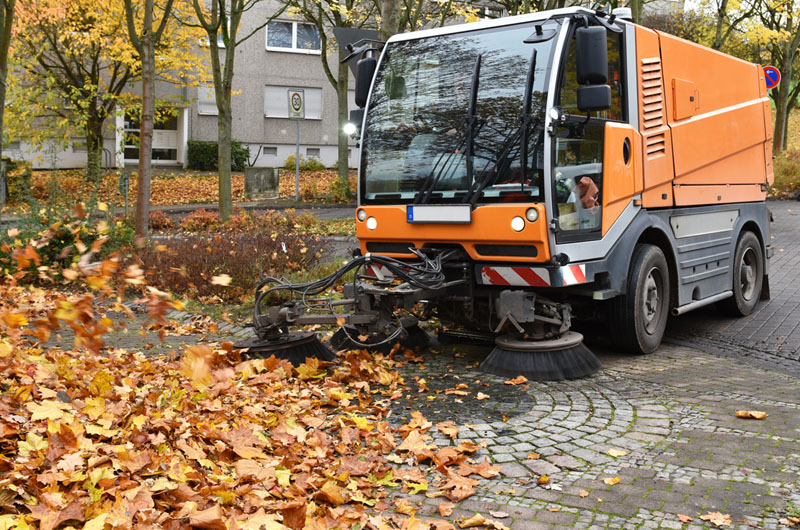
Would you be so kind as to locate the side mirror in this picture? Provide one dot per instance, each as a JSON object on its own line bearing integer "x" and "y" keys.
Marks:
{"x": 591, "y": 55}
{"x": 594, "y": 97}
{"x": 365, "y": 71}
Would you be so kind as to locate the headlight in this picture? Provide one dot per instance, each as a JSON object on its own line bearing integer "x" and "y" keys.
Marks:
{"x": 361, "y": 214}
{"x": 532, "y": 214}
{"x": 518, "y": 224}
{"x": 372, "y": 223}
{"x": 349, "y": 128}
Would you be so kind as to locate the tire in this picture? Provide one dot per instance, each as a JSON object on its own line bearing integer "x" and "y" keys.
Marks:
{"x": 639, "y": 317}
{"x": 748, "y": 276}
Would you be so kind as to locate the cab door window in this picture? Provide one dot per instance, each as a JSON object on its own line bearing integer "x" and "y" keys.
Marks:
{"x": 578, "y": 148}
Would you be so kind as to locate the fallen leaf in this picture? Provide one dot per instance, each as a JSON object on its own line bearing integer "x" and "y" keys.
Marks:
{"x": 751, "y": 414}
{"x": 223, "y": 280}
{"x": 470, "y": 522}
{"x": 446, "y": 508}
{"x": 554, "y": 509}
{"x": 448, "y": 428}
{"x": 617, "y": 452}
{"x": 583, "y": 493}
{"x": 684, "y": 518}
{"x": 499, "y": 515}
{"x": 717, "y": 518}
{"x": 533, "y": 456}
{"x": 519, "y": 380}
{"x": 612, "y": 481}
{"x": 481, "y": 396}
{"x": 544, "y": 479}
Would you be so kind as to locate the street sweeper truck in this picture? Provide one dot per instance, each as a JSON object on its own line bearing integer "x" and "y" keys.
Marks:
{"x": 523, "y": 175}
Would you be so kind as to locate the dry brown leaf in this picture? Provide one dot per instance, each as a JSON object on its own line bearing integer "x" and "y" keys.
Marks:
{"x": 470, "y": 522}
{"x": 499, "y": 515}
{"x": 751, "y": 414}
{"x": 583, "y": 493}
{"x": 612, "y": 481}
{"x": 617, "y": 452}
{"x": 481, "y": 396}
{"x": 717, "y": 518}
{"x": 448, "y": 428}
{"x": 684, "y": 518}
{"x": 554, "y": 509}
{"x": 446, "y": 508}
{"x": 519, "y": 380}
{"x": 533, "y": 456}
{"x": 544, "y": 479}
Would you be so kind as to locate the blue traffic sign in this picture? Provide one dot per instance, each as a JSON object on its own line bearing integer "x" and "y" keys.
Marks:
{"x": 772, "y": 76}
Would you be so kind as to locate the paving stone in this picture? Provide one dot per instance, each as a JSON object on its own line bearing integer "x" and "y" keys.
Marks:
{"x": 565, "y": 461}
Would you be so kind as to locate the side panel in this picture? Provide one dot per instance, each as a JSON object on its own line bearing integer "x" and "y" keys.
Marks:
{"x": 619, "y": 174}
{"x": 656, "y": 153}
{"x": 716, "y": 112}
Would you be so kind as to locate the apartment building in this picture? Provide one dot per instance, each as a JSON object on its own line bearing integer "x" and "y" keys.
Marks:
{"x": 282, "y": 56}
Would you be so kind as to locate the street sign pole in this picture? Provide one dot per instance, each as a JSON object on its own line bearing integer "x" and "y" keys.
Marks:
{"x": 297, "y": 165}
{"x": 297, "y": 110}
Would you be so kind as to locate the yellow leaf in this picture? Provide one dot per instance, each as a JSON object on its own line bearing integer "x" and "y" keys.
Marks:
{"x": 103, "y": 207}
{"x": 469, "y": 522}
{"x": 751, "y": 414}
{"x": 48, "y": 410}
{"x": 222, "y": 279}
{"x": 612, "y": 481}
{"x": 481, "y": 396}
{"x": 544, "y": 479}
{"x": 97, "y": 523}
{"x": 95, "y": 407}
{"x": 533, "y": 456}
{"x": 33, "y": 442}
{"x": 196, "y": 365}
{"x": 717, "y": 518}
{"x": 283, "y": 476}
{"x": 617, "y": 452}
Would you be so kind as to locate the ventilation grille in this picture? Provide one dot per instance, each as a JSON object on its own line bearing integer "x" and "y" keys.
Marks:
{"x": 653, "y": 104}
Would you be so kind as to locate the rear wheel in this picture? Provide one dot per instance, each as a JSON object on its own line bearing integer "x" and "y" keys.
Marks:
{"x": 748, "y": 276}
{"x": 639, "y": 317}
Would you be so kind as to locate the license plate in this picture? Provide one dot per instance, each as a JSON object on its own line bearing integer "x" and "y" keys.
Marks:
{"x": 439, "y": 213}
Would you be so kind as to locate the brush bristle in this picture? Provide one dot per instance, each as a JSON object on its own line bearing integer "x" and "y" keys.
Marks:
{"x": 569, "y": 363}
{"x": 296, "y": 353}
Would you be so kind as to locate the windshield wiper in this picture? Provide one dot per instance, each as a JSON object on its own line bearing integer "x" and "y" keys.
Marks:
{"x": 467, "y": 136}
{"x": 489, "y": 175}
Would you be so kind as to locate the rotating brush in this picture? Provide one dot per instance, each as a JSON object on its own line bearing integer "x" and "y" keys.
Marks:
{"x": 543, "y": 360}
{"x": 294, "y": 346}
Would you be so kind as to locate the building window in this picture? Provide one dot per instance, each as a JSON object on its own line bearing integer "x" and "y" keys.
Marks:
{"x": 297, "y": 37}
{"x": 312, "y": 151}
{"x": 165, "y": 137}
{"x": 276, "y": 101}
{"x": 206, "y": 102}
{"x": 11, "y": 146}
{"x": 269, "y": 150}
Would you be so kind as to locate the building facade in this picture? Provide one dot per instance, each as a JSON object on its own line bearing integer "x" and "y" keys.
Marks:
{"x": 282, "y": 56}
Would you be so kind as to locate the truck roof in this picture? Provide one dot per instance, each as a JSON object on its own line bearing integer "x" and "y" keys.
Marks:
{"x": 493, "y": 23}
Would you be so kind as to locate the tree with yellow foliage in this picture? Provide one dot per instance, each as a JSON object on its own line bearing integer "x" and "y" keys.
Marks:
{"x": 73, "y": 65}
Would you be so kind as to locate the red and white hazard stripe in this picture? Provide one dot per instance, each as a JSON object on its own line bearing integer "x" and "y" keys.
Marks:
{"x": 527, "y": 276}
{"x": 532, "y": 276}
{"x": 376, "y": 270}
{"x": 573, "y": 274}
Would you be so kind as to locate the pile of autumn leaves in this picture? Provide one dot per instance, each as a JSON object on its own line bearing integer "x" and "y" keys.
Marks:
{"x": 99, "y": 438}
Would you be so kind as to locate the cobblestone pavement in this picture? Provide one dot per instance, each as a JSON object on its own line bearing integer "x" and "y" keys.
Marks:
{"x": 671, "y": 412}
{"x": 770, "y": 337}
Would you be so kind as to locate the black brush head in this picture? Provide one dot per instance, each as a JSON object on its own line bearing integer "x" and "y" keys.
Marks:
{"x": 569, "y": 359}
{"x": 295, "y": 347}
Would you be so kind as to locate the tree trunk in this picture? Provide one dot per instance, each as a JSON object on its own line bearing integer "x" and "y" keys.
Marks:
{"x": 390, "y": 19}
{"x": 341, "y": 93}
{"x": 6, "y": 23}
{"x": 94, "y": 151}
{"x": 145, "y": 129}
{"x": 224, "y": 139}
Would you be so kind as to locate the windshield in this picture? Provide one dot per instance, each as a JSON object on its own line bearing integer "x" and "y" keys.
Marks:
{"x": 417, "y": 132}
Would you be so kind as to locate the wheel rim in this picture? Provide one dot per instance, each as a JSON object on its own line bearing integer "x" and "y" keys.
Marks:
{"x": 652, "y": 300}
{"x": 748, "y": 269}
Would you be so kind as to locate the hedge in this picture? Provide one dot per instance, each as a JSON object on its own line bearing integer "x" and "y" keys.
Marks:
{"x": 203, "y": 155}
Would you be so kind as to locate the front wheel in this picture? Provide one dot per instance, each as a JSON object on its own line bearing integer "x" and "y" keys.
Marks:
{"x": 639, "y": 317}
{"x": 748, "y": 276}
